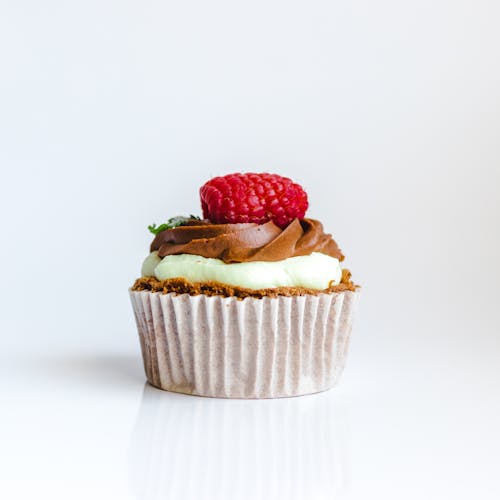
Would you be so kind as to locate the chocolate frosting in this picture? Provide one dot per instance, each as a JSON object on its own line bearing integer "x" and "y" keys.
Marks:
{"x": 246, "y": 242}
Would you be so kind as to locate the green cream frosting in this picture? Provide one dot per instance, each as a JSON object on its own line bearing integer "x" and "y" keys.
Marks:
{"x": 317, "y": 271}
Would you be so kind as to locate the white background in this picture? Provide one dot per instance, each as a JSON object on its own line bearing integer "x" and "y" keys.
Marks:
{"x": 112, "y": 115}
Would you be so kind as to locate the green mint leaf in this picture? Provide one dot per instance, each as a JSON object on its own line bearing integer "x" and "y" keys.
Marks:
{"x": 155, "y": 230}
{"x": 171, "y": 223}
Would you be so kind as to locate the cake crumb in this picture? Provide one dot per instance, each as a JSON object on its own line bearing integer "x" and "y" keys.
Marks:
{"x": 181, "y": 286}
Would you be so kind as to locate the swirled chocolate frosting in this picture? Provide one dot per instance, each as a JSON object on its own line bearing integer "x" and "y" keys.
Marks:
{"x": 246, "y": 242}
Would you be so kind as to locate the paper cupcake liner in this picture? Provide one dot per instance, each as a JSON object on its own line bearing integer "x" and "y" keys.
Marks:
{"x": 252, "y": 348}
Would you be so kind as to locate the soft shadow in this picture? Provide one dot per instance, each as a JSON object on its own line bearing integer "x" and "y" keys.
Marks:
{"x": 94, "y": 370}
{"x": 202, "y": 448}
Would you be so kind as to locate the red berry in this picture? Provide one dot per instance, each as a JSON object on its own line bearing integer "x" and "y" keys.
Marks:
{"x": 259, "y": 198}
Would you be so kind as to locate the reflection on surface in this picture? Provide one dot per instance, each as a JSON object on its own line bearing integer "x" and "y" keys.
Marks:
{"x": 186, "y": 447}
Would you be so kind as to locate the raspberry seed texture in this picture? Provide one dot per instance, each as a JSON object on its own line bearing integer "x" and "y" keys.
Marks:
{"x": 258, "y": 198}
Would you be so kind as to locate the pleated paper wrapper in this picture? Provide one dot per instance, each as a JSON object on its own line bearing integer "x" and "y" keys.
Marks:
{"x": 251, "y": 348}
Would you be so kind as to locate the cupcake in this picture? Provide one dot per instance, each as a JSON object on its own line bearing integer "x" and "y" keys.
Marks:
{"x": 249, "y": 302}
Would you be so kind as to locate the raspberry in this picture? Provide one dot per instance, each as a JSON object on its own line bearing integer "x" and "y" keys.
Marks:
{"x": 237, "y": 198}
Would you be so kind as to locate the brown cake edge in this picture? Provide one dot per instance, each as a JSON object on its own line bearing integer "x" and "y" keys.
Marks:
{"x": 181, "y": 286}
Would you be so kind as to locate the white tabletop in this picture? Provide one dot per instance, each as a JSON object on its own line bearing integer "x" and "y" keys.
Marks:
{"x": 417, "y": 426}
